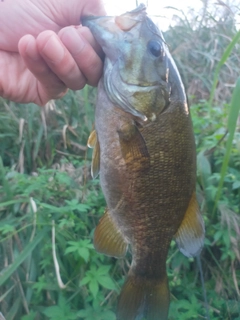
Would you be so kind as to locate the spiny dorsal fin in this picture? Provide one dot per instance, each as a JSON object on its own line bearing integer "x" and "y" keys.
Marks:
{"x": 190, "y": 235}
{"x": 93, "y": 143}
{"x": 108, "y": 239}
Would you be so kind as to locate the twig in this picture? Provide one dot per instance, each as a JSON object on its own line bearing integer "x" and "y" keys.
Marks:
{"x": 79, "y": 146}
{"x": 56, "y": 265}
{"x": 44, "y": 123}
{"x": 235, "y": 278}
{"x": 210, "y": 151}
{"x": 64, "y": 135}
{"x": 25, "y": 304}
{"x": 68, "y": 154}
{"x": 107, "y": 297}
{"x": 203, "y": 286}
{"x": 1, "y": 316}
{"x": 34, "y": 210}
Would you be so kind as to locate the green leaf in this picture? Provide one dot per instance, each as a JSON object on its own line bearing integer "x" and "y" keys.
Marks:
{"x": 84, "y": 253}
{"x": 93, "y": 287}
{"x": 62, "y": 311}
{"x": 53, "y": 312}
{"x": 71, "y": 249}
{"x": 31, "y": 316}
{"x": 218, "y": 235}
{"x": 107, "y": 282}
{"x": 7, "y": 228}
{"x": 109, "y": 315}
{"x": 103, "y": 270}
{"x": 236, "y": 185}
{"x": 82, "y": 313}
{"x": 85, "y": 280}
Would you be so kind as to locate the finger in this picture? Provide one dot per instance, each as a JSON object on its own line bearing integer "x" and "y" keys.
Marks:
{"x": 85, "y": 50}
{"x": 51, "y": 87}
{"x": 87, "y": 34}
{"x": 60, "y": 60}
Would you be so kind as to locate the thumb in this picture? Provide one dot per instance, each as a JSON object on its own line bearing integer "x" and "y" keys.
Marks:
{"x": 70, "y": 12}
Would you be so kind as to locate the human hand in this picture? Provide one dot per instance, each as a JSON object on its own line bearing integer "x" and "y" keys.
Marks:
{"x": 43, "y": 51}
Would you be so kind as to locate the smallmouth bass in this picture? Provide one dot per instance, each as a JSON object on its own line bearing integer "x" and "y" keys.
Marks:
{"x": 144, "y": 151}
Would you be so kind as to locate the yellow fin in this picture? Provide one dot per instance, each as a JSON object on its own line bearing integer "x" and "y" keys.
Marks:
{"x": 190, "y": 235}
{"x": 143, "y": 298}
{"x": 95, "y": 167}
{"x": 108, "y": 239}
{"x": 92, "y": 139}
{"x": 133, "y": 145}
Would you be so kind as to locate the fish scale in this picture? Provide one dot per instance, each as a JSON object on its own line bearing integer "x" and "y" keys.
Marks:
{"x": 144, "y": 152}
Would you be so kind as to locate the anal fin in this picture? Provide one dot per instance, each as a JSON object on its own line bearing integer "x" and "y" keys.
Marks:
{"x": 190, "y": 235}
{"x": 108, "y": 239}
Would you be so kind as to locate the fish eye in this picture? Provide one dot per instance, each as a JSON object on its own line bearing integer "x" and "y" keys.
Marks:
{"x": 155, "y": 48}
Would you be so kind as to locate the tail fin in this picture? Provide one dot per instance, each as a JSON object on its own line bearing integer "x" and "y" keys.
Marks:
{"x": 143, "y": 298}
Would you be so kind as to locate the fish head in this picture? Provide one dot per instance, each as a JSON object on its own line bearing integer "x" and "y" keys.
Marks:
{"x": 136, "y": 67}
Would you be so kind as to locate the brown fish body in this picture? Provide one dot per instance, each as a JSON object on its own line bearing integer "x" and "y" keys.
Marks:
{"x": 147, "y": 199}
{"x": 145, "y": 155}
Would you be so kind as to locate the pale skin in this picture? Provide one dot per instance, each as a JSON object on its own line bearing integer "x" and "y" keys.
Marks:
{"x": 44, "y": 51}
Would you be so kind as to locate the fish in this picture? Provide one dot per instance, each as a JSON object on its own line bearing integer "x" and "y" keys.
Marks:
{"x": 144, "y": 153}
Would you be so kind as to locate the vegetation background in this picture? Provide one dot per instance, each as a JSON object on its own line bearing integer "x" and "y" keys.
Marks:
{"x": 49, "y": 205}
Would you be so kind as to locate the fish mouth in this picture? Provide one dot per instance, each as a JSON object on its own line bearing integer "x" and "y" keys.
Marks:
{"x": 143, "y": 85}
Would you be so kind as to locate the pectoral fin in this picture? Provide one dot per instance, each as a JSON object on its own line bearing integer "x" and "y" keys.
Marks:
{"x": 108, "y": 239}
{"x": 133, "y": 145}
{"x": 93, "y": 143}
{"x": 190, "y": 235}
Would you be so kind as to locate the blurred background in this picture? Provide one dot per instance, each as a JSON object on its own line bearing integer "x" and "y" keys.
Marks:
{"x": 49, "y": 205}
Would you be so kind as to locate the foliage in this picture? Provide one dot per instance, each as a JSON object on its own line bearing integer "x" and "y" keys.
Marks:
{"x": 49, "y": 205}
{"x": 198, "y": 42}
{"x": 29, "y": 205}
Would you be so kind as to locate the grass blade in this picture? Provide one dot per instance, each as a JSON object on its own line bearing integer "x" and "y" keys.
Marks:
{"x": 231, "y": 126}
{"x": 224, "y": 58}
{"x": 14, "y": 309}
{"x": 22, "y": 256}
